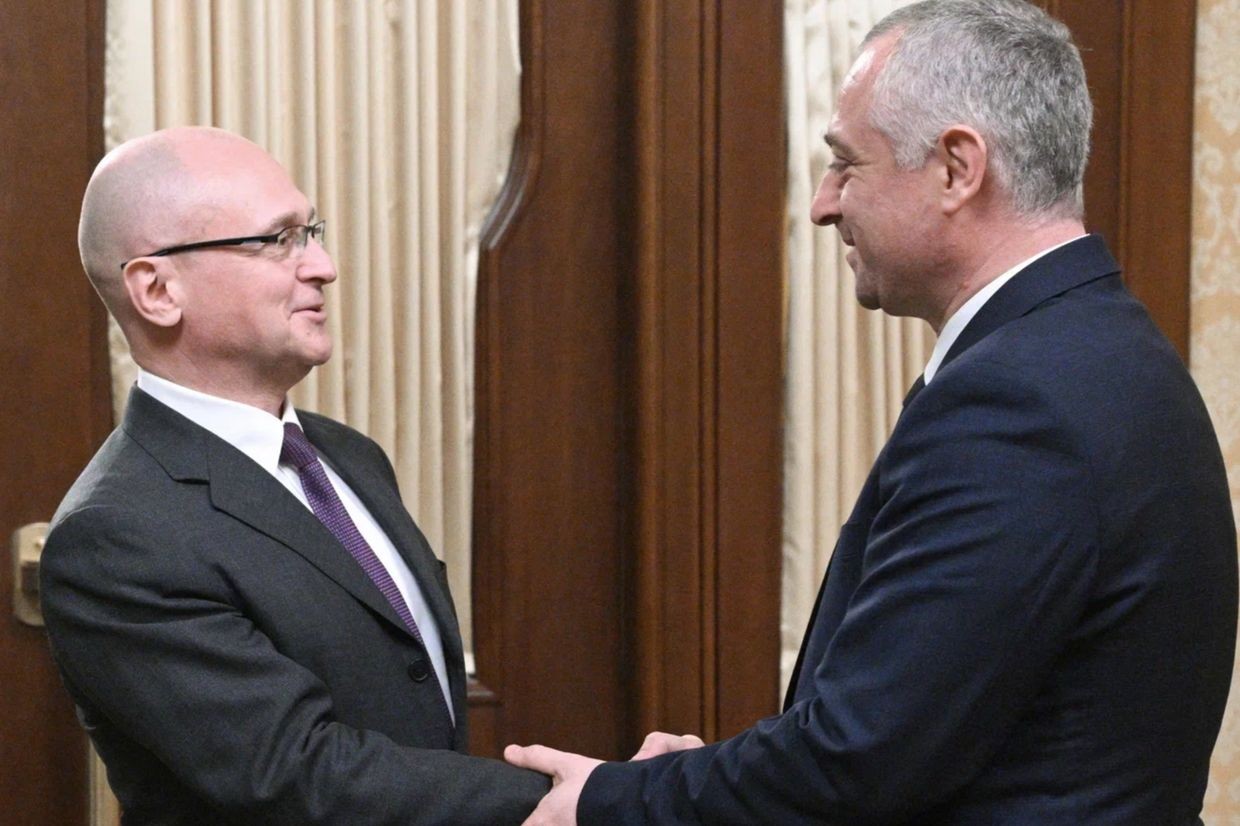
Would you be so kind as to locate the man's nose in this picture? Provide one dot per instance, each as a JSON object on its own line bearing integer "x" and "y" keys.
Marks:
{"x": 316, "y": 263}
{"x": 825, "y": 208}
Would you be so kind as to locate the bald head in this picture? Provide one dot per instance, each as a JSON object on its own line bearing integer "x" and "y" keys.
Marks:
{"x": 153, "y": 192}
{"x": 242, "y": 321}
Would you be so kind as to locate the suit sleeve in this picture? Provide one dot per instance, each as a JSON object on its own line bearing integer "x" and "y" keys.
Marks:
{"x": 977, "y": 564}
{"x": 200, "y": 693}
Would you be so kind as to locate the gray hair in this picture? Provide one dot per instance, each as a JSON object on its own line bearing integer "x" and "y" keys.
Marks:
{"x": 1003, "y": 67}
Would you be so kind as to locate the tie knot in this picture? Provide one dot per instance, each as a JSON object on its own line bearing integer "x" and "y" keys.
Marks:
{"x": 297, "y": 450}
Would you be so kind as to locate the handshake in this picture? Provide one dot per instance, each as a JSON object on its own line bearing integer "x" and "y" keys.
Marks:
{"x": 569, "y": 772}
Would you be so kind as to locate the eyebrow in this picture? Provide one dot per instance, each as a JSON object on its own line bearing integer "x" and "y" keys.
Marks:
{"x": 286, "y": 219}
{"x": 837, "y": 144}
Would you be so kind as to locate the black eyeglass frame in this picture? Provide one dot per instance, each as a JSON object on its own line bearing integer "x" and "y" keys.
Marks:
{"x": 316, "y": 231}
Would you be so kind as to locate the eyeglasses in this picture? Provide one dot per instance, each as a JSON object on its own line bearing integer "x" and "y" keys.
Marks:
{"x": 287, "y": 240}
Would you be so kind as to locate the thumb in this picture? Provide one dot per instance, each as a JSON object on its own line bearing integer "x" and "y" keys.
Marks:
{"x": 538, "y": 758}
{"x": 658, "y": 742}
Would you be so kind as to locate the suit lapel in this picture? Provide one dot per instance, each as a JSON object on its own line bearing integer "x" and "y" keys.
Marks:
{"x": 245, "y": 491}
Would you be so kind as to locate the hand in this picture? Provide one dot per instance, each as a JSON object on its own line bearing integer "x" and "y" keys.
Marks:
{"x": 658, "y": 742}
{"x": 568, "y": 775}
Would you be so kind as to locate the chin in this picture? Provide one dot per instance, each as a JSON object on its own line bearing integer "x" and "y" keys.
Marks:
{"x": 867, "y": 298}
{"x": 320, "y": 358}
{"x": 317, "y": 352}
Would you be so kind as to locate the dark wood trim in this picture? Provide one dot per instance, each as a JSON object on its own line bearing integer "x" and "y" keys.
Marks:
{"x": 1139, "y": 58}
{"x": 101, "y": 365}
{"x": 488, "y": 553}
{"x": 56, "y": 407}
{"x": 484, "y": 719}
{"x": 485, "y": 696}
{"x": 710, "y": 360}
{"x": 750, "y": 207}
{"x": 1156, "y": 189}
{"x": 552, "y": 463}
{"x": 674, "y": 357}
{"x": 709, "y": 389}
{"x": 673, "y": 256}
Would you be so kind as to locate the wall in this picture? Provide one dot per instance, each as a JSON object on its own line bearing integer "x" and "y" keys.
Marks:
{"x": 1215, "y": 330}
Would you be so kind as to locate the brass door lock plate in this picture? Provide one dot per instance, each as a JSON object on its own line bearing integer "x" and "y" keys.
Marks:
{"x": 26, "y": 550}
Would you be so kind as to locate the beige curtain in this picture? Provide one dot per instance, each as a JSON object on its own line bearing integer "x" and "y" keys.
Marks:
{"x": 848, "y": 368}
{"x": 1215, "y": 335}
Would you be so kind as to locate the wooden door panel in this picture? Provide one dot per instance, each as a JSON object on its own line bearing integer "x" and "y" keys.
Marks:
{"x": 1138, "y": 57}
{"x": 54, "y": 408}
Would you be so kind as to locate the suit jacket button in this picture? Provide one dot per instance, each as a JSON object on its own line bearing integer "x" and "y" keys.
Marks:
{"x": 419, "y": 671}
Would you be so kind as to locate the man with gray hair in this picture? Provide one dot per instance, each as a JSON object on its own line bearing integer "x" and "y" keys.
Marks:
{"x": 1030, "y": 615}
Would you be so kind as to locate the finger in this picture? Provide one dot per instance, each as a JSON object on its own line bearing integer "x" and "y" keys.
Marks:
{"x": 658, "y": 742}
{"x": 538, "y": 758}
{"x": 652, "y": 746}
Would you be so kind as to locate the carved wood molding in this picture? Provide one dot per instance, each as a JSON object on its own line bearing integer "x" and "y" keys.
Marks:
{"x": 488, "y": 559}
{"x": 550, "y": 463}
{"x": 630, "y": 311}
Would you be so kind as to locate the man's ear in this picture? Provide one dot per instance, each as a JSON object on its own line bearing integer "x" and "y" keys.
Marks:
{"x": 962, "y": 154}
{"x": 153, "y": 290}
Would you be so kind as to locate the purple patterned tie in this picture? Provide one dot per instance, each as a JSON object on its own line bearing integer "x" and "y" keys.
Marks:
{"x": 327, "y": 506}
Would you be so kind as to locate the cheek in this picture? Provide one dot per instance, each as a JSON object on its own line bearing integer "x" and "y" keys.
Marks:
{"x": 847, "y": 197}
{"x": 859, "y": 206}
{"x": 240, "y": 318}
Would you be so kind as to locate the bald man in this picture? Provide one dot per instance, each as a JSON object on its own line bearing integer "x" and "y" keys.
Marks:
{"x": 250, "y": 623}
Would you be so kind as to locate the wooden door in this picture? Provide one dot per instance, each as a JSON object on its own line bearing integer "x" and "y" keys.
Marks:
{"x": 54, "y": 408}
{"x": 627, "y": 503}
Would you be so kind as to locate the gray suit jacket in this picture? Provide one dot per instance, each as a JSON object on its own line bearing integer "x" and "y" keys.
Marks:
{"x": 230, "y": 660}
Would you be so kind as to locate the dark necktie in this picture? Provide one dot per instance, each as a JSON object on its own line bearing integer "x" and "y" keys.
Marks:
{"x": 327, "y": 506}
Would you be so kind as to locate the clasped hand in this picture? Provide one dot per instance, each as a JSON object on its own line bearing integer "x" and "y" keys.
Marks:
{"x": 569, "y": 773}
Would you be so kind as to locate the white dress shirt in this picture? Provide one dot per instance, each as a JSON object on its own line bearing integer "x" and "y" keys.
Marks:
{"x": 260, "y": 436}
{"x": 961, "y": 318}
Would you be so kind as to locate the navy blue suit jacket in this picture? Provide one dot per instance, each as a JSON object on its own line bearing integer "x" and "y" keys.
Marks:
{"x": 1029, "y": 617}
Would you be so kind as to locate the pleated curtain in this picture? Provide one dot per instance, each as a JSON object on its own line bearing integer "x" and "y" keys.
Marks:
{"x": 847, "y": 368}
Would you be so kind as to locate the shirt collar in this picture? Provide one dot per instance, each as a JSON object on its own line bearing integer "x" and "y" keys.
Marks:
{"x": 254, "y": 432}
{"x": 961, "y": 318}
